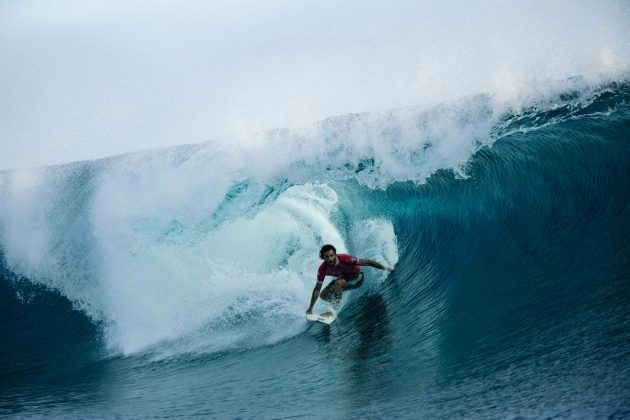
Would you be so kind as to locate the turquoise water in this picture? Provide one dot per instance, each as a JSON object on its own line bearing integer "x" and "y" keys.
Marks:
{"x": 174, "y": 282}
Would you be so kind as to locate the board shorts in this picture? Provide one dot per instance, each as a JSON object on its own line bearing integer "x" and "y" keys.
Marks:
{"x": 353, "y": 281}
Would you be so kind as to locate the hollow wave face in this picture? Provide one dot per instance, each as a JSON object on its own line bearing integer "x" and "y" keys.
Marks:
{"x": 166, "y": 270}
{"x": 213, "y": 247}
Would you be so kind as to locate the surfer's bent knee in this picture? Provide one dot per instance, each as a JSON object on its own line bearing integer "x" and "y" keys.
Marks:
{"x": 340, "y": 283}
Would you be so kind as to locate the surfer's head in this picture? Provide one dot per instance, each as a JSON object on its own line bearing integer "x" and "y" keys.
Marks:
{"x": 328, "y": 253}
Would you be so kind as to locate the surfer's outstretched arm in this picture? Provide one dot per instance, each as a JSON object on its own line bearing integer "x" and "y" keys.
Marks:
{"x": 375, "y": 265}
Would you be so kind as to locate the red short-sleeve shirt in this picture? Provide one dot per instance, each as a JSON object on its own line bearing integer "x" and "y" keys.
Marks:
{"x": 345, "y": 265}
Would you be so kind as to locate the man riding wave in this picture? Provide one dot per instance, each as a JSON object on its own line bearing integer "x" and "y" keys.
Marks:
{"x": 346, "y": 269}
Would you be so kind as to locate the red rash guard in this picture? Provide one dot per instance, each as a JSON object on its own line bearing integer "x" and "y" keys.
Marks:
{"x": 346, "y": 265}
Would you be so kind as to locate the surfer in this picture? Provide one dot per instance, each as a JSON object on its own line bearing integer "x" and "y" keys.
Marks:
{"x": 347, "y": 271}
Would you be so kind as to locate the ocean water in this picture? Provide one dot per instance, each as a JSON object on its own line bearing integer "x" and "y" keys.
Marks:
{"x": 173, "y": 282}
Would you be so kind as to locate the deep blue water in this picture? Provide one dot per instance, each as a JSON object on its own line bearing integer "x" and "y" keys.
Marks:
{"x": 174, "y": 282}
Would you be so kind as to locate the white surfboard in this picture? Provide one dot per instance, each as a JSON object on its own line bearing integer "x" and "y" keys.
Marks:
{"x": 324, "y": 319}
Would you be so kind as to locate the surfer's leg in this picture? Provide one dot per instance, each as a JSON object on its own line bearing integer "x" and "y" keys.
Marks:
{"x": 332, "y": 292}
{"x": 326, "y": 293}
{"x": 337, "y": 289}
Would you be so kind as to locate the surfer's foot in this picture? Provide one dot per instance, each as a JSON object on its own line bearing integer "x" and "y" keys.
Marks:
{"x": 329, "y": 313}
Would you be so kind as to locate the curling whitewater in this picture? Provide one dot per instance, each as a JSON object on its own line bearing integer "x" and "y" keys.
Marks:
{"x": 174, "y": 282}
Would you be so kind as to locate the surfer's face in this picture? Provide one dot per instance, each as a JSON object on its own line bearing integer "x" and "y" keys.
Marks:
{"x": 330, "y": 257}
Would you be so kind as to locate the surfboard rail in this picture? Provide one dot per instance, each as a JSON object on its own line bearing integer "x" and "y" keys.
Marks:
{"x": 326, "y": 318}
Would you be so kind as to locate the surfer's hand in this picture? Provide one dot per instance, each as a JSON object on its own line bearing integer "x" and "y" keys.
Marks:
{"x": 391, "y": 269}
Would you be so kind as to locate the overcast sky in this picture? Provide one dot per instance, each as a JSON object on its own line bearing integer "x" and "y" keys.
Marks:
{"x": 85, "y": 79}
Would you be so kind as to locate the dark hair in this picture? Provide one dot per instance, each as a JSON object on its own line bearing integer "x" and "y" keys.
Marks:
{"x": 325, "y": 249}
